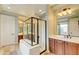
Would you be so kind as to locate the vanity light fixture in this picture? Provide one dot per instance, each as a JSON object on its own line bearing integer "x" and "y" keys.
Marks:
{"x": 78, "y": 22}
{"x": 65, "y": 11}
{"x": 69, "y": 11}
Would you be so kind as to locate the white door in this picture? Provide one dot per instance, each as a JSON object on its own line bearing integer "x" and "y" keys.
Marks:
{"x": 42, "y": 34}
{"x": 7, "y": 30}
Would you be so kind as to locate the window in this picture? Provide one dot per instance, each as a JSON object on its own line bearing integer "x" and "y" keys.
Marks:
{"x": 62, "y": 28}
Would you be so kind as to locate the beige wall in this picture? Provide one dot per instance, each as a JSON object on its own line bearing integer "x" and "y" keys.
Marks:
{"x": 0, "y": 8}
{"x": 51, "y": 21}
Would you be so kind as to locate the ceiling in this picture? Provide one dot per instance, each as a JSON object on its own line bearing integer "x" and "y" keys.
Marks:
{"x": 24, "y": 9}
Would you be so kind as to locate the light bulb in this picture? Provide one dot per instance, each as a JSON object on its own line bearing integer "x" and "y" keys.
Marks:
{"x": 64, "y": 13}
{"x": 60, "y": 14}
{"x": 9, "y": 8}
{"x": 69, "y": 11}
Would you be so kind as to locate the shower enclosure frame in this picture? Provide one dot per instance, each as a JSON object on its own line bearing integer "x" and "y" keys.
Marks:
{"x": 45, "y": 22}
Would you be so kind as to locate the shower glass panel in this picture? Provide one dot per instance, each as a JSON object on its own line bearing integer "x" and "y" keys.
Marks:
{"x": 30, "y": 31}
{"x": 34, "y": 31}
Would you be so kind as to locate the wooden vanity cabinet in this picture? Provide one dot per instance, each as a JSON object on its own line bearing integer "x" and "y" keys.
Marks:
{"x": 51, "y": 45}
{"x": 78, "y": 49}
{"x": 56, "y": 46}
{"x": 70, "y": 48}
{"x": 20, "y": 37}
{"x": 59, "y": 47}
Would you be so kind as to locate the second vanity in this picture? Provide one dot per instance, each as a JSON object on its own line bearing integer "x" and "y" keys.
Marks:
{"x": 59, "y": 45}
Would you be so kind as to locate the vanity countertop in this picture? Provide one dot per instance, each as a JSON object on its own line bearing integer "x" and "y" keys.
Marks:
{"x": 61, "y": 37}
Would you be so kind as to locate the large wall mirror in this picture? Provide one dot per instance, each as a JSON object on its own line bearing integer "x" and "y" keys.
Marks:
{"x": 67, "y": 17}
{"x": 68, "y": 26}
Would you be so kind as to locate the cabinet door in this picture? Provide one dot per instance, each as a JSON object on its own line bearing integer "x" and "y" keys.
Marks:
{"x": 59, "y": 47}
{"x": 70, "y": 48}
{"x": 51, "y": 45}
{"x": 78, "y": 49}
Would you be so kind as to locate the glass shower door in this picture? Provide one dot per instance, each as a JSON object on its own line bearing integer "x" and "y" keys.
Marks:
{"x": 29, "y": 30}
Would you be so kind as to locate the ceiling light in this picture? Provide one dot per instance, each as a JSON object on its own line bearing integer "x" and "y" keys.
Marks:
{"x": 9, "y": 8}
{"x": 40, "y": 10}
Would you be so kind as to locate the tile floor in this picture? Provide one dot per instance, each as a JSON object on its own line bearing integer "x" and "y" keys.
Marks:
{"x": 9, "y": 50}
{"x": 14, "y": 50}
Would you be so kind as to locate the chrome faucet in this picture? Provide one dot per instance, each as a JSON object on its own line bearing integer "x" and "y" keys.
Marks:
{"x": 67, "y": 36}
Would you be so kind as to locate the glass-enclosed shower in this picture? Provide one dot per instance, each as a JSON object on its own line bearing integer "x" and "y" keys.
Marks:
{"x": 34, "y": 31}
